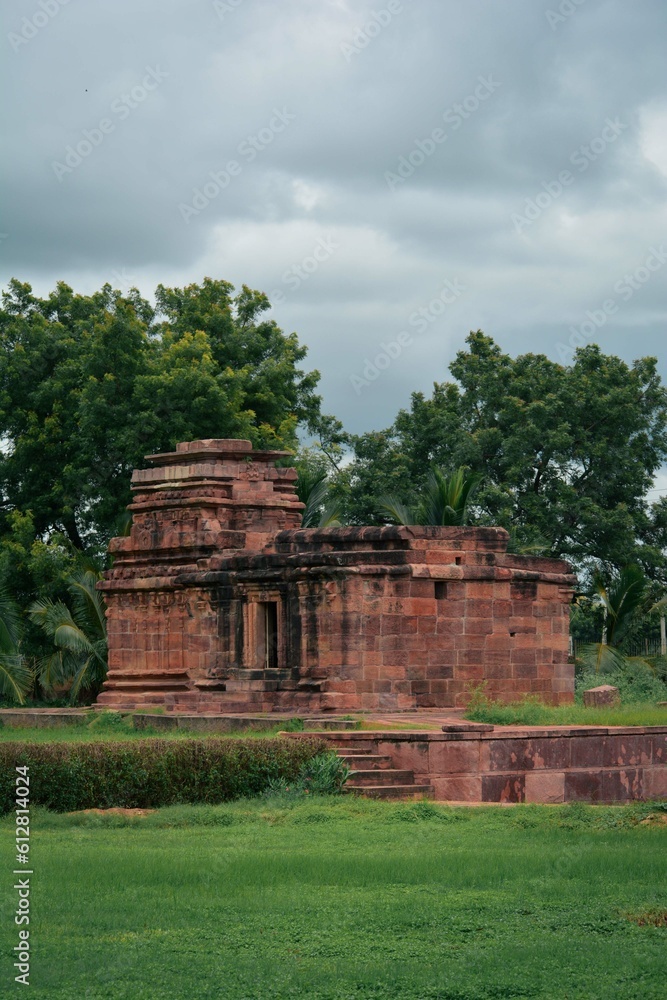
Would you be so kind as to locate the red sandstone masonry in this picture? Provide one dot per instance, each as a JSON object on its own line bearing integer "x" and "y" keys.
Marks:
{"x": 550, "y": 765}
{"x": 381, "y": 618}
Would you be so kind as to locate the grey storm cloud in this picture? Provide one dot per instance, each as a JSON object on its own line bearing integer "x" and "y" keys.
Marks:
{"x": 354, "y": 160}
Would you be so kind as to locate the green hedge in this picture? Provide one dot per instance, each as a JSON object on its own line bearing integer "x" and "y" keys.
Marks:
{"x": 150, "y": 773}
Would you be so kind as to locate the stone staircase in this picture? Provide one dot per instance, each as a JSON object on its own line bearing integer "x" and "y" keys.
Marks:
{"x": 373, "y": 777}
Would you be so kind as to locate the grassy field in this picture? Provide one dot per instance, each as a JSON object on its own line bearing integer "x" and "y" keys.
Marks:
{"x": 528, "y": 713}
{"x": 535, "y": 713}
{"x": 116, "y": 727}
{"x": 343, "y": 899}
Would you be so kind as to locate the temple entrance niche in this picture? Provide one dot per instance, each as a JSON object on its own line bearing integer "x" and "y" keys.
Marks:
{"x": 264, "y": 631}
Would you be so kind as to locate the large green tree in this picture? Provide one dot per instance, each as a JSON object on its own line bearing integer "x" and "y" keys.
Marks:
{"x": 568, "y": 453}
{"x": 89, "y": 384}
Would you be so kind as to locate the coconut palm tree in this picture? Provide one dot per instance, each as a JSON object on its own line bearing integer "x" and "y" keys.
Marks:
{"x": 621, "y": 600}
{"x": 321, "y": 511}
{"x": 15, "y": 676}
{"x": 443, "y": 501}
{"x": 79, "y": 634}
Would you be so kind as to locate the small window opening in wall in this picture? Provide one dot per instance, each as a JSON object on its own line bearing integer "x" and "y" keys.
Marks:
{"x": 267, "y": 634}
{"x": 440, "y": 590}
{"x": 512, "y": 634}
{"x": 457, "y": 560}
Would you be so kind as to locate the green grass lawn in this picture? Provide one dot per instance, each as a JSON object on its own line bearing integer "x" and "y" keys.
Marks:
{"x": 118, "y": 728}
{"x": 527, "y": 713}
{"x": 532, "y": 712}
{"x": 344, "y": 900}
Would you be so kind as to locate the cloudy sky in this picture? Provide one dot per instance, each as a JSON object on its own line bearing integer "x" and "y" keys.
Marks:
{"x": 392, "y": 173}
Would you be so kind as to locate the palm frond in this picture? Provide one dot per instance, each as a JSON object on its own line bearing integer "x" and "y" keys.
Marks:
{"x": 70, "y": 638}
{"x": 79, "y": 635}
{"x": 89, "y": 676}
{"x": 16, "y": 678}
{"x": 87, "y": 602}
{"x": 49, "y": 615}
{"x": 315, "y": 496}
{"x": 321, "y": 511}
{"x": 330, "y": 516}
{"x": 444, "y": 500}
{"x": 53, "y": 669}
{"x": 533, "y": 545}
{"x": 621, "y": 600}
{"x": 600, "y": 657}
{"x": 400, "y": 513}
{"x": 10, "y": 623}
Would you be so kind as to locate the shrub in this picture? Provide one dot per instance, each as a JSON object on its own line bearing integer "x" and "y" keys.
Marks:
{"x": 150, "y": 773}
{"x": 324, "y": 774}
{"x": 636, "y": 682}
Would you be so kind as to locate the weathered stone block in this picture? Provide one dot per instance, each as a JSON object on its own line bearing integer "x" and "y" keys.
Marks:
{"x": 503, "y": 787}
{"x": 622, "y": 785}
{"x": 655, "y": 782}
{"x": 602, "y": 696}
{"x": 545, "y": 786}
{"x": 458, "y": 788}
{"x": 453, "y": 756}
{"x": 626, "y": 750}
{"x": 583, "y": 786}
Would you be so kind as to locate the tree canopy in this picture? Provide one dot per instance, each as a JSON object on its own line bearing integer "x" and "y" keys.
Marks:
{"x": 89, "y": 384}
{"x": 567, "y": 453}
{"x": 561, "y": 455}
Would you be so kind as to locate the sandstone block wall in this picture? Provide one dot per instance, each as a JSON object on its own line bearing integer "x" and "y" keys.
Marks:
{"x": 546, "y": 765}
{"x": 217, "y": 601}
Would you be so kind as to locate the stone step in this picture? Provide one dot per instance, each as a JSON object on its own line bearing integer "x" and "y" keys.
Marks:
{"x": 366, "y": 761}
{"x": 245, "y": 685}
{"x": 386, "y": 776}
{"x": 250, "y": 674}
{"x": 311, "y": 686}
{"x": 133, "y": 675}
{"x": 242, "y": 707}
{"x": 145, "y": 685}
{"x": 238, "y": 695}
{"x": 393, "y": 791}
{"x": 110, "y": 699}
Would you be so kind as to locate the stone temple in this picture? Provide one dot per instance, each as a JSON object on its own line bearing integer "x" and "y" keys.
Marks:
{"x": 218, "y": 602}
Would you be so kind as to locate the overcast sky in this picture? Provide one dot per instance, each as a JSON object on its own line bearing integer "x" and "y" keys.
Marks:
{"x": 395, "y": 172}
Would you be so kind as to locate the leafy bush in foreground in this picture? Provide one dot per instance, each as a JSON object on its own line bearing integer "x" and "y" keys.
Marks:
{"x": 325, "y": 774}
{"x": 150, "y": 773}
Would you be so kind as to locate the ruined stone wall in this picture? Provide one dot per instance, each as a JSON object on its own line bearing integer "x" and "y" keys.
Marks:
{"x": 218, "y": 602}
{"x": 400, "y": 618}
{"x": 527, "y": 764}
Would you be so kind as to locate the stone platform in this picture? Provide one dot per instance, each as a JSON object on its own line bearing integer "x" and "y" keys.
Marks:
{"x": 548, "y": 764}
{"x": 469, "y": 763}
